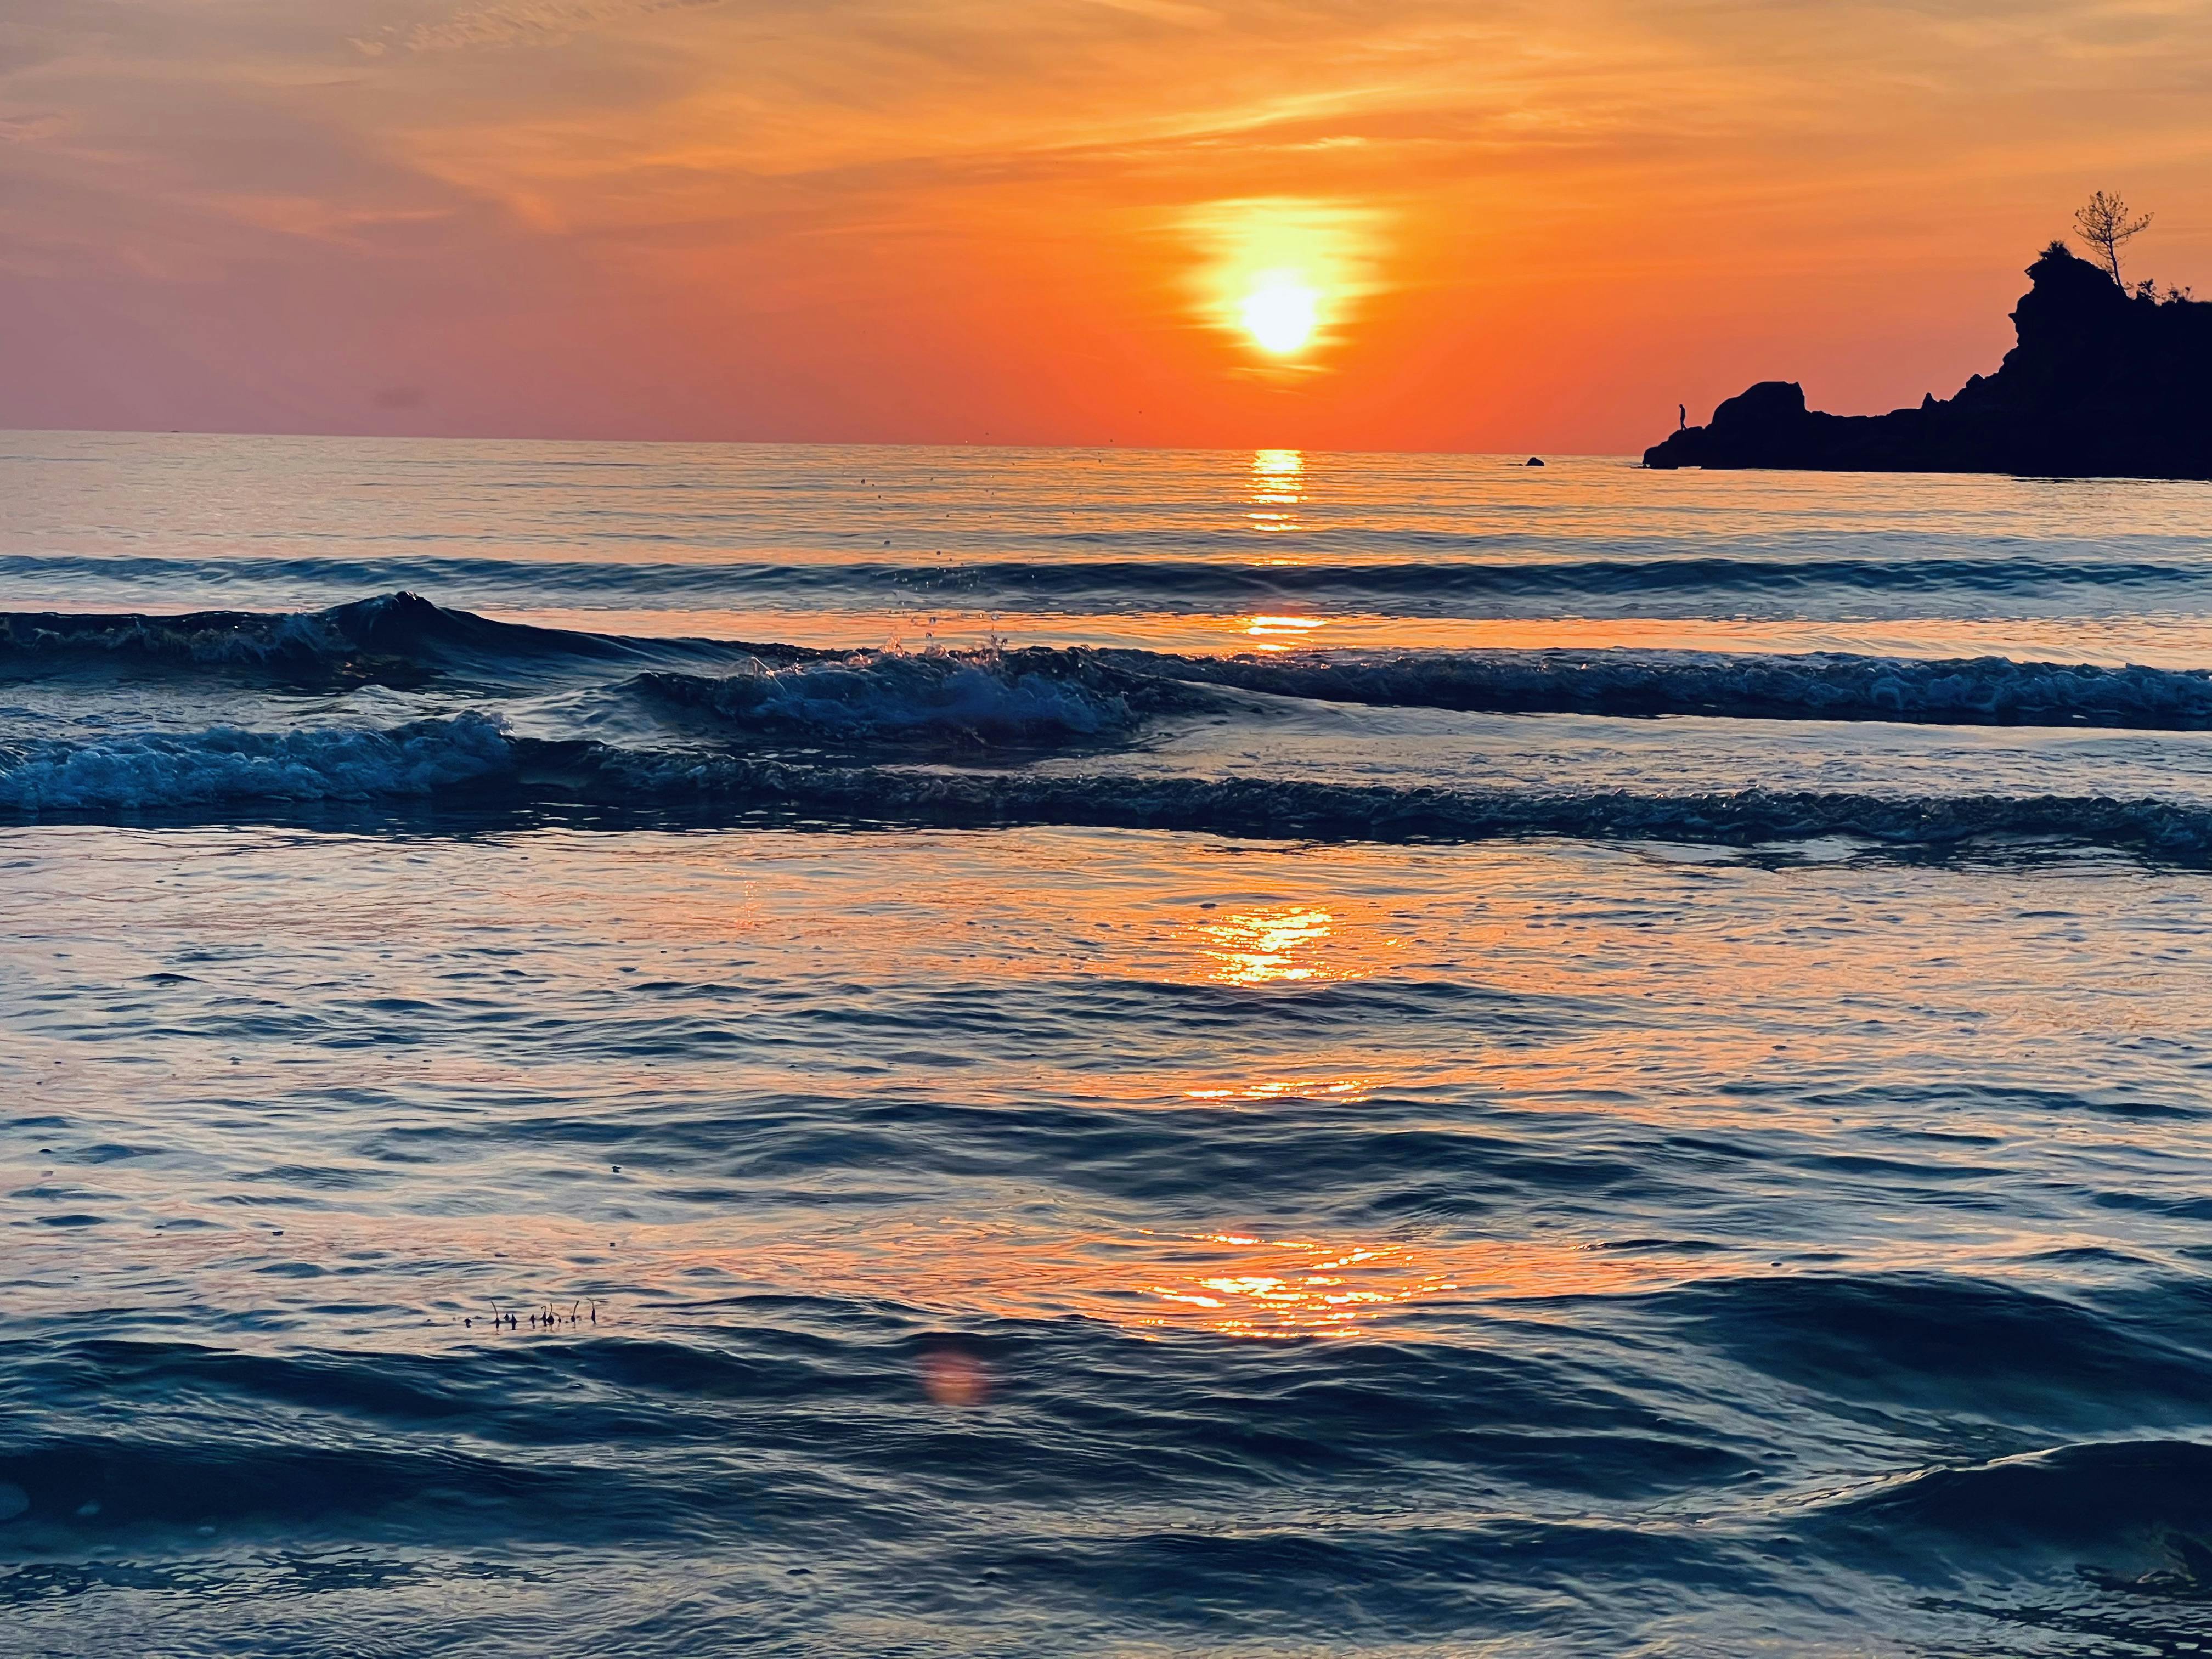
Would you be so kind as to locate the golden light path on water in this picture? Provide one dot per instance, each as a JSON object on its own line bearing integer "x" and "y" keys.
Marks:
{"x": 1230, "y": 1283}
{"x": 1278, "y": 931}
{"x": 2068, "y": 639}
{"x": 1278, "y": 488}
{"x": 1274, "y": 946}
{"x": 1250, "y": 513}
{"x": 1225, "y": 1282}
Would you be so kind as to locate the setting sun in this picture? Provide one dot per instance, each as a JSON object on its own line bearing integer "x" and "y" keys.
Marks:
{"x": 1281, "y": 313}
{"x": 1285, "y": 275}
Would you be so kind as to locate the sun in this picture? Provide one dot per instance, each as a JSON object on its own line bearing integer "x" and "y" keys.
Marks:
{"x": 1283, "y": 278}
{"x": 1281, "y": 313}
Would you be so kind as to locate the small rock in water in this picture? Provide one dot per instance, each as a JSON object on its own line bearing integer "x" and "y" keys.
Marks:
{"x": 86, "y": 1511}
{"x": 1533, "y": 460}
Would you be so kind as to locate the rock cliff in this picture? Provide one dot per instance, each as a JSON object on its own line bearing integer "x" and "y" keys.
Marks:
{"x": 2103, "y": 383}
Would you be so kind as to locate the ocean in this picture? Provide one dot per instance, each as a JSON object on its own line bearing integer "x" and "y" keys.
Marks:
{"x": 672, "y": 1050}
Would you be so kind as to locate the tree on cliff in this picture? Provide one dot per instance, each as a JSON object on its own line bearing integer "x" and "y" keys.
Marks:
{"x": 2103, "y": 225}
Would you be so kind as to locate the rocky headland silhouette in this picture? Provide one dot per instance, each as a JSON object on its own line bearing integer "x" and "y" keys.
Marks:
{"x": 2105, "y": 382}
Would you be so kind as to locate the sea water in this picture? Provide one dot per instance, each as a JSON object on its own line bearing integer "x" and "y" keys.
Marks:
{"x": 678, "y": 1050}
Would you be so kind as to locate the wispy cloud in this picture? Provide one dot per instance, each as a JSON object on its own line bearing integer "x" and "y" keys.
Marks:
{"x": 547, "y": 22}
{"x": 989, "y": 176}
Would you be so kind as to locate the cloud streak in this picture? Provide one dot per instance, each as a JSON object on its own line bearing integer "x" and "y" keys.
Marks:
{"x": 938, "y": 217}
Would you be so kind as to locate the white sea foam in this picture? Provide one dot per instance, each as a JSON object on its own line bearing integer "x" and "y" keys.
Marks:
{"x": 227, "y": 763}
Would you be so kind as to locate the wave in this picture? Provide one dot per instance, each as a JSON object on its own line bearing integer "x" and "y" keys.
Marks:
{"x": 1426, "y": 585}
{"x": 1276, "y": 808}
{"x": 2067, "y": 1492}
{"x": 402, "y": 639}
{"x": 469, "y": 759}
{"x": 1037, "y": 689}
{"x": 1977, "y": 691}
{"x": 1229, "y": 579}
{"x": 2131, "y": 1516}
{"x": 225, "y": 764}
{"x": 887, "y": 694}
{"x": 394, "y": 638}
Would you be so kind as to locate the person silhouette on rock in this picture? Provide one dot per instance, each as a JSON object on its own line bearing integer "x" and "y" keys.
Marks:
{"x": 1681, "y": 417}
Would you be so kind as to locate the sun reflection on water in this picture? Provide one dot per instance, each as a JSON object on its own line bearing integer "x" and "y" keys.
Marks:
{"x": 1253, "y": 1286}
{"x": 1271, "y": 631}
{"x": 946, "y": 1270}
{"x": 1277, "y": 945}
{"x": 1278, "y": 477}
{"x": 1304, "y": 1088}
{"x": 1244, "y": 1284}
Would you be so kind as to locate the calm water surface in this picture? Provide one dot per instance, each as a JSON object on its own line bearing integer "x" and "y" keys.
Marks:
{"x": 666, "y": 1051}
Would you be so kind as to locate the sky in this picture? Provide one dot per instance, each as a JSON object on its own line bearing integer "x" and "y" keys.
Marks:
{"x": 1423, "y": 224}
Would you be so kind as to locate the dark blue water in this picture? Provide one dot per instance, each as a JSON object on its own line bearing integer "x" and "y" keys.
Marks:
{"x": 902, "y": 1052}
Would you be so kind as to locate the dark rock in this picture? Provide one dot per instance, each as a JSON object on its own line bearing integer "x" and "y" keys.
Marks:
{"x": 1533, "y": 460}
{"x": 2104, "y": 383}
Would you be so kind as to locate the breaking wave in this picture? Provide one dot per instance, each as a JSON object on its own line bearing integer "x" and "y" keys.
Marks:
{"x": 403, "y": 639}
{"x": 1982, "y": 690}
{"x": 468, "y": 760}
{"x": 712, "y": 731}
{"x": 394, "y": 638}
{"x": 1301, "y": 809}
{"x": 887, "y": 694}
{"x": 152, "y": 771}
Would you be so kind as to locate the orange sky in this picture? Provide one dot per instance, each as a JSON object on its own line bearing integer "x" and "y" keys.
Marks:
{"x": 1528, "y": 226}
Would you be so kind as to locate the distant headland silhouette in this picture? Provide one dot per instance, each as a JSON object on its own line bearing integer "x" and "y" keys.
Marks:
{"x": 2107, "y": 381}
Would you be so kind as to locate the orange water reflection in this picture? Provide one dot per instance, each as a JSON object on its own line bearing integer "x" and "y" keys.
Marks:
{"x": 1304, "y": 1088}
{"x": 1244, "y": 1286}
{"x": 1283, "y": 633}
{"x": 437, "y": 1271}
{"x": 1278, "y": 477}
{"x": 2155, "y": 641}
{"x": 1278, "y": 944}
{"x": 1741, "y": 992}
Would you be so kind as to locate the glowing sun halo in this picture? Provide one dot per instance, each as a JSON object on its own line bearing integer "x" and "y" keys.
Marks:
{"x": 1280, "y": 314}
